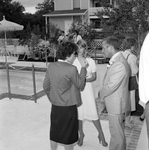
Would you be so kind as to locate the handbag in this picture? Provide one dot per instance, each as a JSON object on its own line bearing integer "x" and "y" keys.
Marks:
{"x": 133, "y": 84}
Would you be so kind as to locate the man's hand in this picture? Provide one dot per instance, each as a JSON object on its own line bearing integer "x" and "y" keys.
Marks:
{"x": 99, "y": 94}
{"x": 101, "y": 105}
{"x": 100, "y": 98}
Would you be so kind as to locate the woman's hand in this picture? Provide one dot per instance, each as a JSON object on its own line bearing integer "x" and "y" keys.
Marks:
{"x": 84, "y": 63}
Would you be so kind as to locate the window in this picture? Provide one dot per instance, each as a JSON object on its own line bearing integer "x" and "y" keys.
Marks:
{"x": 99, "y": 3}
{"x": 97, "y": 24}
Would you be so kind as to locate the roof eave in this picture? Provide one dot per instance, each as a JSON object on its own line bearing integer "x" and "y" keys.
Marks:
{"x": 67, "y": 14}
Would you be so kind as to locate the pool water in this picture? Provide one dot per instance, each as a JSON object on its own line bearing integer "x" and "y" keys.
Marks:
{"x": 21, "y": 82}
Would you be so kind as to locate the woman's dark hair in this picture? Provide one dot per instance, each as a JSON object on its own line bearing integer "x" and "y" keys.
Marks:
{"x": 113, "y": 41}
{"x": 128, "y": 43}
{"x": 76, "y": 32}
{"x": 62, "y": 32}
{"x": 65, "y": 50}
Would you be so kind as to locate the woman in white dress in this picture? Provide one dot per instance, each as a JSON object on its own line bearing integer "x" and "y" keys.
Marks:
{"x": 88, "y": 109}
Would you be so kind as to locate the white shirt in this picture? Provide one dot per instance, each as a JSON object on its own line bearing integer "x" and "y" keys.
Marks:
{"x": 60, "y": 39}
{"x": 132, "y": 61}
{"x": 77, "y": 38}
{"x": 144, "y": 72}
{"x": 60, "y": 60}
{"x": 112, "y": 60}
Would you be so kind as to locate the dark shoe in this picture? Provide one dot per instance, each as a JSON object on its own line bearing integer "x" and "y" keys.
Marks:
{"x": 105, "y": 111}
{"x": 142, "y": 119}
{"x": 102, "y": 141}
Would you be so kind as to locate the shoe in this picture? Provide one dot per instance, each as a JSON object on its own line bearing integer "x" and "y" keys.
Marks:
{"x": 142, "y": 119}
{"x": 103, "y": 142}
{"x": 80, "y": 141}
{"x": 129, "y": 125}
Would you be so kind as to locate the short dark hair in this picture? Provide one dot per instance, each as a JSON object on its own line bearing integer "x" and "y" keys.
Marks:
{"x": 76, "y": 32}
{"x": 128, "y": 42}
{"x": 113, "y": 41}
{"x": 65, "y": 50}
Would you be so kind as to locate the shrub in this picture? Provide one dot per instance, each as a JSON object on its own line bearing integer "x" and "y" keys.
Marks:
{"x": 85, "y": 30}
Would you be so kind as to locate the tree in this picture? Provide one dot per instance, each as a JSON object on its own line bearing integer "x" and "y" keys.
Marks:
{"x": 129, "y": 18}
{"x": 13, "y": 11}
{"x": 45, "y": 7}
{"x": 85, "y": 30}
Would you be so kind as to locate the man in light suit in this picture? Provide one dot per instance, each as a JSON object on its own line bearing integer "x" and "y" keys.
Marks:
{"x": 144, "y": 80}
{"x": 114, "y": 91}
{"x": 62, "y": 85}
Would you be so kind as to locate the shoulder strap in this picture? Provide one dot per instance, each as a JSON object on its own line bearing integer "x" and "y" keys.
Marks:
{"x": 127, "y": 56}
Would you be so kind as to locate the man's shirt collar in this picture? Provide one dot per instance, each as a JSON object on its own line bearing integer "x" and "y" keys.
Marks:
{"x": 112, "y": 60}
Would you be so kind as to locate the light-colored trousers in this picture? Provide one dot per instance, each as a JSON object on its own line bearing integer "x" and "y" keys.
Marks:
{"x": 147, "y": 120}
{"x": 116, "y": 126}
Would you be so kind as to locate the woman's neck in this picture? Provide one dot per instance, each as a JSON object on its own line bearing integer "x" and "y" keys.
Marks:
{"x": 81, "y": 56}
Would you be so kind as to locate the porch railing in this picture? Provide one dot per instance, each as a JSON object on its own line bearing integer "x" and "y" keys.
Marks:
{"x": 93, "y": 10}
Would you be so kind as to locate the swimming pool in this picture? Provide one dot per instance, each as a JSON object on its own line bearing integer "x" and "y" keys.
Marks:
{"x": 21, "y": 82}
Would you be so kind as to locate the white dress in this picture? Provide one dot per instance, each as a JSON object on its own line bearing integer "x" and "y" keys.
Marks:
{"x": 88, "y": 109}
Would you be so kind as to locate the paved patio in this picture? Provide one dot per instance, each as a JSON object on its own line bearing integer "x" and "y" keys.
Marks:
{"x": 25, "y": 125}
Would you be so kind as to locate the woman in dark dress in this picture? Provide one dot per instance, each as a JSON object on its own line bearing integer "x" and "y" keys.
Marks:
{"x": 62, "y": 85}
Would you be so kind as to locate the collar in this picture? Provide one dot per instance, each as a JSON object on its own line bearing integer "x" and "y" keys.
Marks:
{"x": 60, "y": 60}
{"x": 128, "y": 51}
{"x": 112, "y": 60}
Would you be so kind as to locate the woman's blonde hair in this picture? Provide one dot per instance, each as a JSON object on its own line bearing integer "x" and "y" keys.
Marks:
{"x": 82, "y": 44}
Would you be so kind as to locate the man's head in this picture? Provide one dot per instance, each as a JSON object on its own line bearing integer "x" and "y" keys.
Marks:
{"x": 110, "y": 46}
{"x": 129, "y": 43}
{"x": 62, "y": 33}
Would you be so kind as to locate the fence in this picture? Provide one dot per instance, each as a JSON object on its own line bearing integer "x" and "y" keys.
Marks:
{"x": 12, "y": 50}
{"x": 27, "y": 82}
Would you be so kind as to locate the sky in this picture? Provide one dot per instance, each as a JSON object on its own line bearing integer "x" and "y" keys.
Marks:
{"x": 29, "y": 5}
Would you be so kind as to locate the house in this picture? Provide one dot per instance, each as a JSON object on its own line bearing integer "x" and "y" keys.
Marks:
{"x": 68, "y": 11}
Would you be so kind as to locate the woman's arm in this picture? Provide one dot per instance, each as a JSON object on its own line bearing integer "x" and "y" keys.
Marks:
{"x": 133, "y": 65}
{"x": 93, "y": 78}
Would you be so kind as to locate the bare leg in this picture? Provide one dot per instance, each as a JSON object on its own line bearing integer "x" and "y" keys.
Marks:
{"x": 54, "y": 145}
{"x": 100, "y": 132}
{"x": 146, "y": 112}
{"x": 81, "y": 133}
{"x": 69, "y": 147}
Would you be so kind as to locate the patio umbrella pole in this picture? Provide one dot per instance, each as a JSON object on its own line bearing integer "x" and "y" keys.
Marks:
{"x": 5, "y": 49}
{"x": 8, "y": 26}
